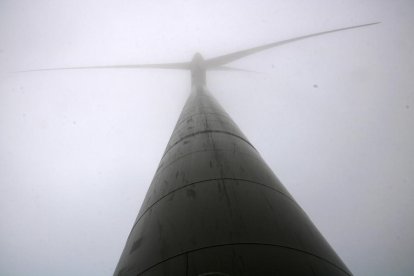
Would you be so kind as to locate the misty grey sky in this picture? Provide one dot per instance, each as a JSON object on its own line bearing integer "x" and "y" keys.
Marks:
{"x": 333, "y": 116}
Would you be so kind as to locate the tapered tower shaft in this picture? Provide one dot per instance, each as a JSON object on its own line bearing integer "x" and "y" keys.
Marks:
{"x": 215, "y": 208}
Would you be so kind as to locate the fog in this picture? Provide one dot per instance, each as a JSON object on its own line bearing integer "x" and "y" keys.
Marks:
{"x": 333, "y": 116}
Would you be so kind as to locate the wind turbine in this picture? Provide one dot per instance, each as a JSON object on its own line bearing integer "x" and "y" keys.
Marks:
{"x": 214, "y": 207}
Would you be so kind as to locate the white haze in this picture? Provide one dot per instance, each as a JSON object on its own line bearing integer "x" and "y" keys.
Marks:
{"x": 333, "y": 116}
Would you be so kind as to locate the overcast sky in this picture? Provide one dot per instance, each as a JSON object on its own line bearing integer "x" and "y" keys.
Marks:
{"x": 332, "y": 115}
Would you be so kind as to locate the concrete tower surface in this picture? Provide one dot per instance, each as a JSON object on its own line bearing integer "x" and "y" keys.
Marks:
{"x": 215, "y": 208}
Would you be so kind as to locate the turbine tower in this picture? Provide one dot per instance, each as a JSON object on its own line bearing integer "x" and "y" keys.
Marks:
{"x": 214, "y": 207}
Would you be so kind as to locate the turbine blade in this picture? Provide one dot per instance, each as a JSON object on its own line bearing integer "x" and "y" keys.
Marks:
{"x": 221, "y": 60}
{"x": 226, "y": 68}
{"x": 182, "y": 66}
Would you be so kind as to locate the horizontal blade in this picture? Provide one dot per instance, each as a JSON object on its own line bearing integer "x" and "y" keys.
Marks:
{"x": 221, "y": 60}
{"x": 226, "y": 68}
{"x": 182, "y": 66}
